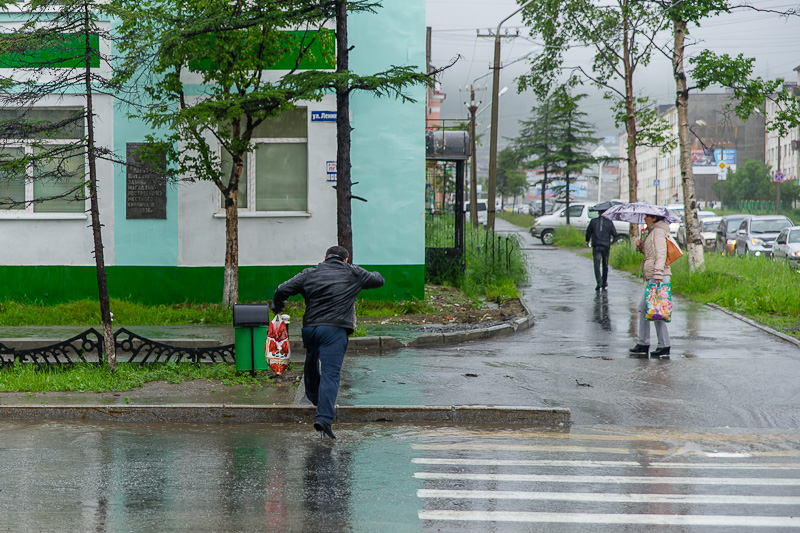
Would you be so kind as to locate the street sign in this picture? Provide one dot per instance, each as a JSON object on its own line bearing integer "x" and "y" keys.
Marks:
{"x": 722, "y": 165}
{"x": 656, "y": 182}
{"x": 323, "y": 116}
{"x": 778, "y": 177}
{"x": 600, "y": 151}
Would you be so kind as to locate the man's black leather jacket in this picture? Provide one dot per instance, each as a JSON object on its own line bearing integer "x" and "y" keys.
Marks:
{"x": 330, "y": 291}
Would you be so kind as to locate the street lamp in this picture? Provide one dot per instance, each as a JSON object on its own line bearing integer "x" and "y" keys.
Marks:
{"x": 473, "y": 172}
{"x": 495, "y": 117}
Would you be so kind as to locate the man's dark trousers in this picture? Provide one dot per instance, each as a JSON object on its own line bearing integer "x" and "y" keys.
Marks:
{"x": 325, "y": 347}
{"x": 600, "y": 254}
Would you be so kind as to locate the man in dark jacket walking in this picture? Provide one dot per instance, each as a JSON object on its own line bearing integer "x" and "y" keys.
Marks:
{"x": 602, "y": 233}
{"x": 330, "y": 291}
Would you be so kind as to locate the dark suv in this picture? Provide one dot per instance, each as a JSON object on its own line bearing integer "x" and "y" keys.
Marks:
{"x": 726, "y": 232}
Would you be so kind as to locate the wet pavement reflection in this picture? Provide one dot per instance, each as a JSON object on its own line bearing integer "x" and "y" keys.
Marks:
{"x": 76, "y": 476}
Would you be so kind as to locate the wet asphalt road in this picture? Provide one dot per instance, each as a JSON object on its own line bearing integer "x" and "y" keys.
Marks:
{"x": 723, "y": 372}
{"x": 706, "y": 441}
{"x": 72, "y": 476}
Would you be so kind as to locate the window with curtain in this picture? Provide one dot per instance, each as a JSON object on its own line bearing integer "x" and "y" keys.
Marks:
{"x": 52, "y": 170}
{"x": 276, "y": 177}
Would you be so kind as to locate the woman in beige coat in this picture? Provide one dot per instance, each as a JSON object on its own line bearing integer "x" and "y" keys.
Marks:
{"x": 656, "y": 270}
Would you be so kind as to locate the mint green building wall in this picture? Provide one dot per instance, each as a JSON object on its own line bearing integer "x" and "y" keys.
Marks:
{"x": 388, "y": 141}
{"x": 146, "y": 242}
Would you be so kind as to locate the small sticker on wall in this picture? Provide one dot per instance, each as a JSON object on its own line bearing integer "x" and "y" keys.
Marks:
{"x": 331, "y": 170}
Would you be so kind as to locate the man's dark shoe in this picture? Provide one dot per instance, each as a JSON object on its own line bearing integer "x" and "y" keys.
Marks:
{"x": 663, "y": 353}
{"x": 324, "y": 428}
{"x": 640, "y": 350}
{"x": 597, "y": 288}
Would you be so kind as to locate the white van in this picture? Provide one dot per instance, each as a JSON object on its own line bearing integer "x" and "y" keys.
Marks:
{"x": 483, "y": 211}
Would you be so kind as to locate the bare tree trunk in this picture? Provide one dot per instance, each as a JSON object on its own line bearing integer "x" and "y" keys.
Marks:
{"x": 694, "y": 242}
{"x": 230, "y": 287}
{"x": 344, "y": 227}
{"x": 630, "y": 109}
{"x": 94, "y": 208}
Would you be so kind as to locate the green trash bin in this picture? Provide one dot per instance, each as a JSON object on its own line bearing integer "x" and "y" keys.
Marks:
{"x": 250, "y": 325}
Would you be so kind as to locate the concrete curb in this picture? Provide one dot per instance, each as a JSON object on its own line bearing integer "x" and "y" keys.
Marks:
{"x": 432, "y": 340}
{"x": 762, "y": 327}
{"x": 276, "y": 414}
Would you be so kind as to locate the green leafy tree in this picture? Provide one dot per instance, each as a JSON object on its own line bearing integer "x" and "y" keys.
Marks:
{"x": 171, "y": 47}
{"x": 709, "y": 69}
{"x": 620, "y": 35}
{"x": 58, "y": 48}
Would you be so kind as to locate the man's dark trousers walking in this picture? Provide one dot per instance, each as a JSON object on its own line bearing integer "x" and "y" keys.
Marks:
{"x": 600, "y": 255}
{"x": 325, "y": 347}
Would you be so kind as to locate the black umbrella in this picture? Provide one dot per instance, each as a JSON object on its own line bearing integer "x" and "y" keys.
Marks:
{"x": 602, "y": 206}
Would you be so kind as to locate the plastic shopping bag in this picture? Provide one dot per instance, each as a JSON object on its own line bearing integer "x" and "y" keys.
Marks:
{"x": 277, "y": 348}
{"x": 658, "y": 299}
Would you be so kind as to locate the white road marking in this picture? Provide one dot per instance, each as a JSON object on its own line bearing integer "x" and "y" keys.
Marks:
{"x": 598, "y": 518}
{"x": 602, "y": 464}
{"x": 598, "y": 449}
{"x": 542, "y": 478}
{"x": 722, "y": 499}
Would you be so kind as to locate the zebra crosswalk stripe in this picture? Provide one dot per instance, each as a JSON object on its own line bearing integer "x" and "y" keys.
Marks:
{"x": 447, "y": 461}
{"x": 604, "y": 518}
{"x": 719, "y": 499}
{"x": 545, "y": 478}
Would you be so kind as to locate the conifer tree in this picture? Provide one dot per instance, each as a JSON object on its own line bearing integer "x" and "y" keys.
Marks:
{"x": 55, "y": 55}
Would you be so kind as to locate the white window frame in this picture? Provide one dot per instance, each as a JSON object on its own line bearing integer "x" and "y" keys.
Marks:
{"x": 28, "y": 212}
{"x": 250, "y": 176}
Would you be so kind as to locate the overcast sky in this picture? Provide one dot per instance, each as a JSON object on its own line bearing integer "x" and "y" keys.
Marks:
{"x": 772, "y": 40}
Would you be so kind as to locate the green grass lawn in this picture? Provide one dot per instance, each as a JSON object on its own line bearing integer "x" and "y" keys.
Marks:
{"x": 95, "y": 378}
{"x": 518, "y": 219}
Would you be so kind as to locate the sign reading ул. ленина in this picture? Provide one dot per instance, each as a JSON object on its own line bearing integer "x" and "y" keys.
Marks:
{"x": 323, "y": 116}
{"x": 146, "y": 189}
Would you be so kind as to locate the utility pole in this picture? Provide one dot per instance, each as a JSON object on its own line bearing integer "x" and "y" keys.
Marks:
{"x": 495, "y": 117}
{"x": 473, "y": 165}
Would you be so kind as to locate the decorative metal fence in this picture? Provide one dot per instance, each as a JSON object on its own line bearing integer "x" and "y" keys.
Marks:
{"x": 87, "y": 347}
{"x": 761, "y": 207}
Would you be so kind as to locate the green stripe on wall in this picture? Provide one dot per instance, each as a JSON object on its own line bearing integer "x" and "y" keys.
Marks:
{"x": 320, "y": 52}
{"x": 65, "y": 51}
{"x": 169, "y": 285}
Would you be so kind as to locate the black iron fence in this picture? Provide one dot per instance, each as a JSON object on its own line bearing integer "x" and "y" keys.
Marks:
{"x": 491, "y": 255}
{"x": 87, "y": 347}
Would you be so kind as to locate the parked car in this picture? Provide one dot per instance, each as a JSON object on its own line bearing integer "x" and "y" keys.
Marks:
{"x": 708, "y": 231}
{"x": 579, "y": 217}
{"x": 673, "y": 227}
{"x": 483, "y": 211}
{"x": 726, "y": 232}
{"x": 681, "y": 235}
{"x": 787, "y": 246}
{"x": 757, "y": 234}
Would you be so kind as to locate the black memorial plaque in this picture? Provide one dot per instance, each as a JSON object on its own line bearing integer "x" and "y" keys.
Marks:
{"x": 146, "y": 193}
